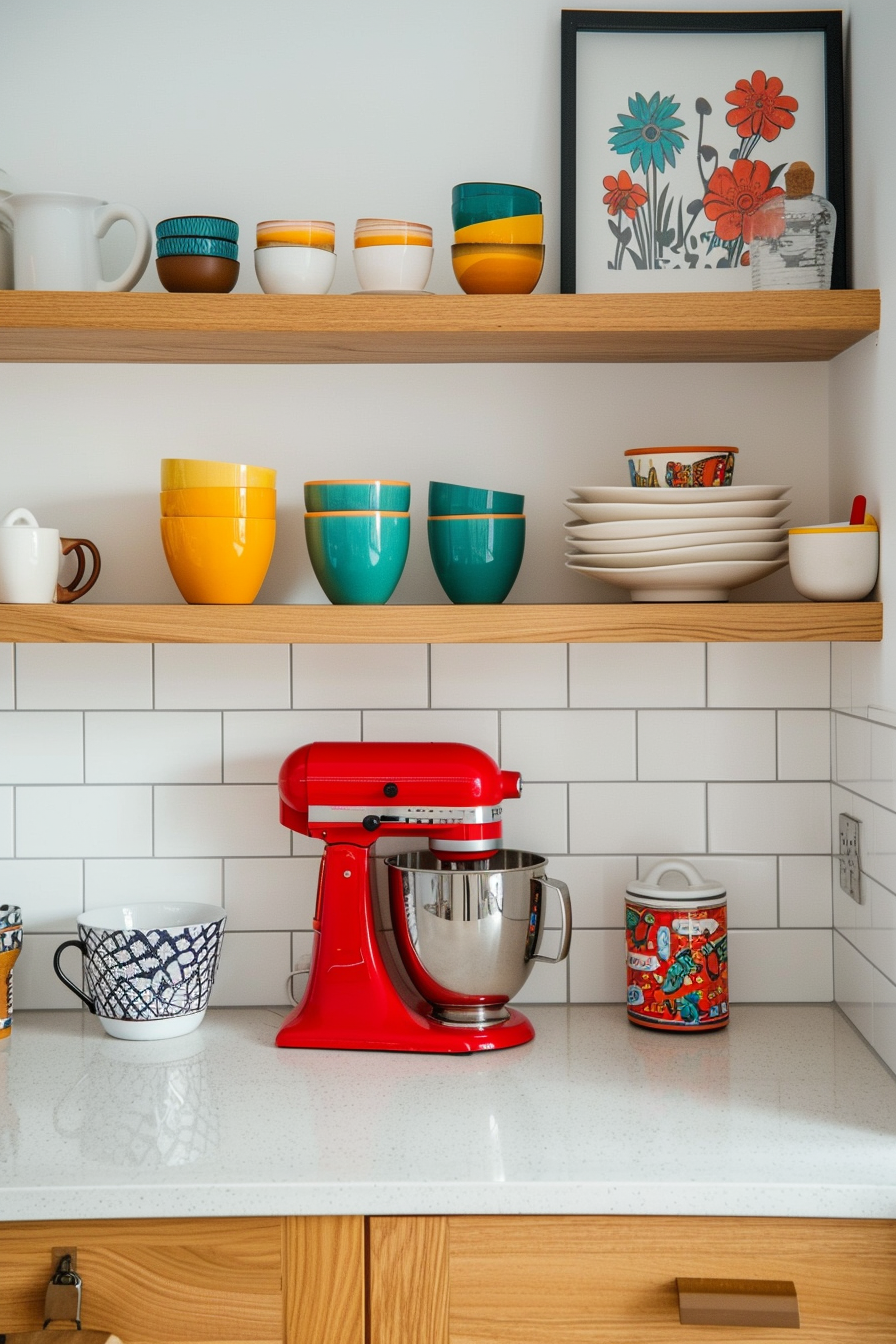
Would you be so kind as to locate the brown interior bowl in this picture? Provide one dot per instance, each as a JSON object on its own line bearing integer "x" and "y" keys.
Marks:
{"x": 198, "y": 275}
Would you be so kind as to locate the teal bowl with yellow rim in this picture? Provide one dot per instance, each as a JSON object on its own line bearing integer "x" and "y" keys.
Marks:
{"x": 357, "y": 556}
{"x": 477, "y": 557}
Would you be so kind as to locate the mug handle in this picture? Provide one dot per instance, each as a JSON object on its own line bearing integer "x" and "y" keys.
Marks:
{"x": 103, "y": 220}
{"x": 72, "y": 592}
{"x": 562, "y": 890}
{"x": 57, "y": 955}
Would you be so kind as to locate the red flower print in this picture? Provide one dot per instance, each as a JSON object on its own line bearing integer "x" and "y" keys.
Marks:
{"x": 734, "y": 194}
{"x": 758, "y": 107}
{"x": 623, "y": 194}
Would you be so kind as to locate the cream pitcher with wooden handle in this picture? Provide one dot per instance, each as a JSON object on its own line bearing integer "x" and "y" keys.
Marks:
{"x": 56, "y": 241}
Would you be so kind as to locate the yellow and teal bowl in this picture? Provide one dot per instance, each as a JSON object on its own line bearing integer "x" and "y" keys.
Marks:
{"x": 512, "y": 229}
{"x": 358, "y": 556}
{"x": 477, "y": 557}
{"x": 219, "y": 501}
{"x": 338, "y": 496}
{"x": 218, "y": 560}
{"x": 497, "y": 268}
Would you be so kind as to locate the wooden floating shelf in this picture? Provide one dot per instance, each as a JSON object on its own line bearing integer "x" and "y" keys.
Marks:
{"x": 457, "y": 328}
{"x": 613, "y": 623}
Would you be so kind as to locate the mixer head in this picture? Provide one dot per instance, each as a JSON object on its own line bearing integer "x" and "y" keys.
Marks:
{"x": 353, "y": 791}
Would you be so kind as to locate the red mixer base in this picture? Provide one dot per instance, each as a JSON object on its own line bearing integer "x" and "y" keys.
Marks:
{"x": 417, "y": 1033}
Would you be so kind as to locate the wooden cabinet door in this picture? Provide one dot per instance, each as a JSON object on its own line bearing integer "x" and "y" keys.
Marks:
{"x": 611, "y": 1280}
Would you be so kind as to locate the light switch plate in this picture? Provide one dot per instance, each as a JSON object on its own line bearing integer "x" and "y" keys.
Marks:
{"x": 850, "y": 865}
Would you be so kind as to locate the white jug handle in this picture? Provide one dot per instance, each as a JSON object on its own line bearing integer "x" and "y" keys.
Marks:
{"x": 674, "y": 866}
{"x": 104, "y": 217}
{"x": 19, "y": 516}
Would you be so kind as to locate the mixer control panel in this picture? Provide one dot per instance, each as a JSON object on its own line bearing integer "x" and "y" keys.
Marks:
{"x": 407, "y": 816}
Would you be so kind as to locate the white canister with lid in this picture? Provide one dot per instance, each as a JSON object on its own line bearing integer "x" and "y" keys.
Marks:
{"x": 677, "y": 950}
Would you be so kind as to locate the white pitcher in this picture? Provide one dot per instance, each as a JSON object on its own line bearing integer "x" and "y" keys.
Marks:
{"x": 56, "y": 241}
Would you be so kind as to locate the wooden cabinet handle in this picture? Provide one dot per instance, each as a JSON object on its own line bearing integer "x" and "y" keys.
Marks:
{"x": 738, "y": 1302}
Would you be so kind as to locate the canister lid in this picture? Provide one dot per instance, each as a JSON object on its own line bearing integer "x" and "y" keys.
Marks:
{"x": 698, "y": 888}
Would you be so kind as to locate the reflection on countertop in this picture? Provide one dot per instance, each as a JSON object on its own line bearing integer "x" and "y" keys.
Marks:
{"x": 785, "y": 1113}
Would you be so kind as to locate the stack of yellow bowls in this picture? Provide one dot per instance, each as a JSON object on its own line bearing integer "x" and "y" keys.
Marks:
{"x": 218, "y": 528}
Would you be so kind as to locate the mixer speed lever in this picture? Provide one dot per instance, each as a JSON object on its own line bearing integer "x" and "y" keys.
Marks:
{"x": 372, "y": 823}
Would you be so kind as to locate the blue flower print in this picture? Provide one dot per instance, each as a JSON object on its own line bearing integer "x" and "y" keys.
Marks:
{"x": 650, "y": 134}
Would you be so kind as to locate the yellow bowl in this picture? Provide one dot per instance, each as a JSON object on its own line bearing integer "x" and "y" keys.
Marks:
{"x": 513, "y": 229}
{"x": 297, "y": 233}
{"x": 187, "y": 473}
{"x": 219, "y": 501}
{"x": 497, "y": 268}
{"x": 218, "y": 560}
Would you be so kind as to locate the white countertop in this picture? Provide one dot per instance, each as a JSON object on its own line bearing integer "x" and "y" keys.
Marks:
{"x": 785, "y": 1113}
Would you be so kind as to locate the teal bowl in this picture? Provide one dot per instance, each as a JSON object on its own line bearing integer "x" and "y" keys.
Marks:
{"x": 200, "y": 226}
{"x": 447, "y": 499}
{"x": 477, "y": 559}
{"x": 177, "y": 246}
{"x": 491, "y": 201}
{"x": 358, "y": 557}
{"x": 327, "y": 496}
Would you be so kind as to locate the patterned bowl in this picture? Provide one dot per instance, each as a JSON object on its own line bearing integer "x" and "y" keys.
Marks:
{"x": 200, "y": 226}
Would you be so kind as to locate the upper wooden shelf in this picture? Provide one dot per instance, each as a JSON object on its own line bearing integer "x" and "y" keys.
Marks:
{"x": 615, "y": 623}
{"x": 357, "y": 329}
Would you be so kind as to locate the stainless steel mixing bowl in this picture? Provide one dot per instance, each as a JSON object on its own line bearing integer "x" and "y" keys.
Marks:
{"x": 469, "y": 932}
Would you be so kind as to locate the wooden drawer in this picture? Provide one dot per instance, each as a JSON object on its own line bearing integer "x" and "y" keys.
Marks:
{"x": 611, "y": 1280}
{"x": 196, "y": 1281}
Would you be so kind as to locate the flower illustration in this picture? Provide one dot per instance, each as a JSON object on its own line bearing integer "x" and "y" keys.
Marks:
{"x": 623, "y": 194}
{"x": 650, "y": 135}
{"x": 758, "y": 107}
{"x": 734, "y": 194}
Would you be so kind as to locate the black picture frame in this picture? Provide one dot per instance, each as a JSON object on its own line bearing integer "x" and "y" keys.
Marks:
{"x": 829, "y": 22}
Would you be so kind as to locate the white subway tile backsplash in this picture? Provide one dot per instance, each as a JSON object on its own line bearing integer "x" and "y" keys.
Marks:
{"x": 596, "y": 887}
{"x": 879, "y": 859}
{"x": 7, "y": 845}
{"x": 804, "y": 744}
{"x": 84, "y": 821}
{"x": 852, "y": 752}
{"x": 607, "y": 818}
{"x": 562, "y": 744}
{"x": 706, "y": 744}
{"x": 750, "y": 881}
{"x": 854, "y": 986}
{"x": 781, "y": 966}
{"x": 498, "y": 676}
{"x": 547, "y": 983}
{"x": 41, "y": 748}
{"x": 117, "y": 881}
{"x": 597, "y": 966}
{"x": 841, "y": 676}
{"x": 884, "y": 1018}
{"x": 768, "y": 818}
{"x": 35, "y": 983}
{"x": 538, "y": 820}
{"x": 253, "y": 971}
{"x": 209, "y": 820}
{"x": 769, "y": 676}
{"x": 804, "y": 891}
{"x": 256, "y": 743}
{"x": 50, "y": 892}
{"x": 360, "y": 676}
{"x": 609, "y": 676}
{"x": 478, "y": 727}
{"x": 222, "y": 676}
{"x": 84, "y": 676}
{"x": 883, "y": 765}
{"x": 7, "y": 676}
{"x": 268, "y": 894}
{"x": 873, "y": 932}
{"x": 152, "y": 747}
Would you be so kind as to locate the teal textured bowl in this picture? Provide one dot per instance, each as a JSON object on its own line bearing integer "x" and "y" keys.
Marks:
{"x": 358, "y": 557}
{"x": 199, "y": 226}
{"x": 183, "y": 246}
{"x": 445, "y": 499}
{"x": 327, "y": 496}
{"x": 495, "y": 203}
{"x": 477, "y": 559}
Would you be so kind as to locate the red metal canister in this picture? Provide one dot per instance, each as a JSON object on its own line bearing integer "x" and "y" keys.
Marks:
{"x": 677, "y": 951}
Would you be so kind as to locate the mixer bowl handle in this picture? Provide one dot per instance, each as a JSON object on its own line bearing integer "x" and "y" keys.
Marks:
{"x": 562, "y": 891}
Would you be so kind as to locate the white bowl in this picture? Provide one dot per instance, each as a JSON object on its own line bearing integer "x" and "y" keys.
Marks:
{"x": 683, "y": 555}
{"x": 688, "y": 494}
{"x": 632, "y": 529}
{"x": 743, "y": 508}
{"x": 625, "y": 546}
{"x": 289, "y": 268}
{"x": 708, "y": 582}
{"x": 834, "y": 564}
{"x": 393, "y": 266}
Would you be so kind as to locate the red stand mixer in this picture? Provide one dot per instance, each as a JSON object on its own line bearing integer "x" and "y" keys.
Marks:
{"x": 349, "y": 793}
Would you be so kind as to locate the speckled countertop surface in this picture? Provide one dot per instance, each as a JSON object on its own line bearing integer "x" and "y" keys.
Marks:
{"x": 785, "y": 1113}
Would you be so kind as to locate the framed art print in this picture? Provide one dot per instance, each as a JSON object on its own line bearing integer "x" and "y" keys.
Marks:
{"x": 676, "y": 128}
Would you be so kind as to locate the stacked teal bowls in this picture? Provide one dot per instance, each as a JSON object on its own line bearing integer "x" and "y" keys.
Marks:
{"x": 198, "y": 254}
{"x": 357, "y": 534}
{"x": 476, "y": 540}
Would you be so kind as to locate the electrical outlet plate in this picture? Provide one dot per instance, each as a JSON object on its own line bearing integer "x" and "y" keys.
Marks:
{"x": 850, "y": 866}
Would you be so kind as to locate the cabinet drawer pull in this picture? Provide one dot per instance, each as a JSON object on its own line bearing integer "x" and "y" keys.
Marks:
{"x": 738, "y": 1302}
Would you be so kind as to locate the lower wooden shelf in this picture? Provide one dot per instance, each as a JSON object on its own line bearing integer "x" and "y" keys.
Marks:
{"x": 615, "y": 623}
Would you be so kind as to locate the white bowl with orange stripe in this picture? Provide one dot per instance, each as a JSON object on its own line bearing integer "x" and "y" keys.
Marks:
{"x": 836, "y": 563}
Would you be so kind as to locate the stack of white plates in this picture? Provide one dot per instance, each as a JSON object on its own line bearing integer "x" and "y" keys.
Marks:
{"x": 692, "y": 544}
